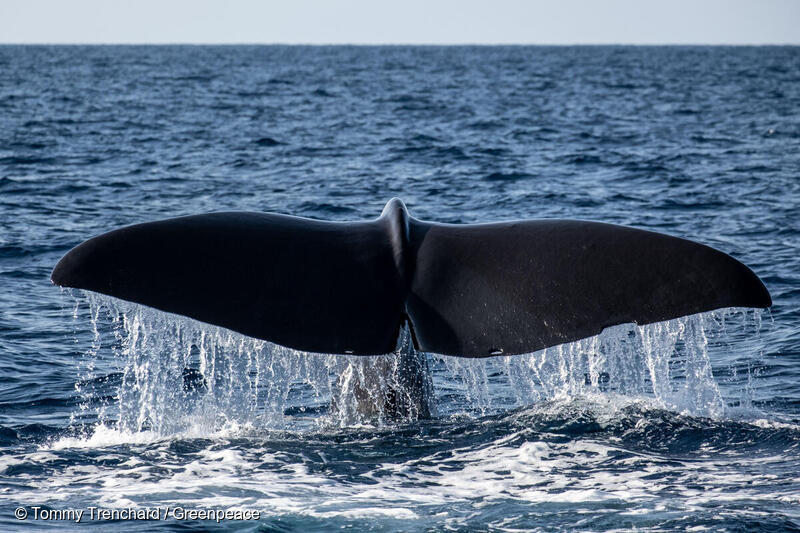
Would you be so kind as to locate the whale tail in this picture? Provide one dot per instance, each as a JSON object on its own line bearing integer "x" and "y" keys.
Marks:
{"x": 467, "y": 290}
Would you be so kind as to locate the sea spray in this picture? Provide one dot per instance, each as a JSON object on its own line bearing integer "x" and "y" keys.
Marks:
{"x": 177, "y": 375}
{"x": 667, "y": 363}
{"x": 150, "y": 371}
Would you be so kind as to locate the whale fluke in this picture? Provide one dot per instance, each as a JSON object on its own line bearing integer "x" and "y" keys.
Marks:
{"x": 351, "y": 287}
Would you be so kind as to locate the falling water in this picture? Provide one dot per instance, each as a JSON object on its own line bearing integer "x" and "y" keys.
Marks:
{"x": 666, "y": 363}
{"x": 165, "y": 374}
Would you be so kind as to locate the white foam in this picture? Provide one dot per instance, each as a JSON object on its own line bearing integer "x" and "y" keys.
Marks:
{"x": 103, "y": 436}
{"x": 519, "y": 466}
{"x": 242, "y": 388}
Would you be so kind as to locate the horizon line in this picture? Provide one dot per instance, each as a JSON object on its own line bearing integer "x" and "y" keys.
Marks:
{"x": 455, "y": 44}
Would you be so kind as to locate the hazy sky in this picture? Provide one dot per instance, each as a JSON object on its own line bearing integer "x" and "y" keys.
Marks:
{"x": 406, "y": 21}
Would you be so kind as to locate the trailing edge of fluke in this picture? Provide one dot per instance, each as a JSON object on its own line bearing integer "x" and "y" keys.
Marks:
{"x": 466, "y": 290}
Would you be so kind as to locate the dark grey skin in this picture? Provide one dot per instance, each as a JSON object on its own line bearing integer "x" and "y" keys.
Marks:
{"x": 465, "y": 290}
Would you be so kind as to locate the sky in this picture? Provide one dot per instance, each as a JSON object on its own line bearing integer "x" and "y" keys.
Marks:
{"x": 402, "y": 22}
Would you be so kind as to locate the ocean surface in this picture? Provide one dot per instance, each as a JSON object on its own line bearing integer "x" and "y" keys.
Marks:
{"x": 689, "y": 425}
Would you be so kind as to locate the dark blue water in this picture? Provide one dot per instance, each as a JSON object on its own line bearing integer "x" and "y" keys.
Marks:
{"x": 697, "y": 426}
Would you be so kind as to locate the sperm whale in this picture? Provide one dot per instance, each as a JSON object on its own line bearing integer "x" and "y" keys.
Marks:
{"x": 475, "y": 290}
